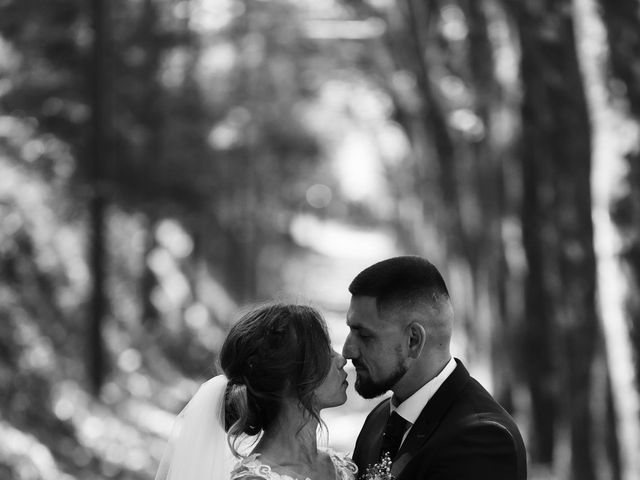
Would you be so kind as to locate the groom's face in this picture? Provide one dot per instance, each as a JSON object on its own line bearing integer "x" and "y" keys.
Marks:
{"x": 375, "y": 347}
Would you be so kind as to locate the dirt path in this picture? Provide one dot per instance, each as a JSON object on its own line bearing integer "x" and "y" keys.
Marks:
{"x": 338, "y": 253}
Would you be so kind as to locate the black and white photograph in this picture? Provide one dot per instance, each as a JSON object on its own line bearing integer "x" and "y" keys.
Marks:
{"x": 319, "y": 239}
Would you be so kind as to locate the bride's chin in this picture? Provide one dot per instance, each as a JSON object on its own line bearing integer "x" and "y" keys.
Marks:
{"x": 341, "y": 400}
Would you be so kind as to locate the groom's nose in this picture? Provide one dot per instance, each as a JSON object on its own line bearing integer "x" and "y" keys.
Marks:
{"x": 349, "y": 350}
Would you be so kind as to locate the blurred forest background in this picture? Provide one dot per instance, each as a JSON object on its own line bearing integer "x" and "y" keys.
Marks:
{"x": 165, "y": 162}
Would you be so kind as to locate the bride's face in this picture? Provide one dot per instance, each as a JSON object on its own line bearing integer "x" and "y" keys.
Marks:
{"x": 333, "y": 391}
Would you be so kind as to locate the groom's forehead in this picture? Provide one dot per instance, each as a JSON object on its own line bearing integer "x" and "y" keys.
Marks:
{"x": 362, "y": 309}
{"x": 363, "y": 315}
{"x": 363, "y": 305}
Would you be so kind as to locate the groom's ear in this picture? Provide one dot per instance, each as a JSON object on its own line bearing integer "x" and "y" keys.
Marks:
{"x": 417, "y": 338}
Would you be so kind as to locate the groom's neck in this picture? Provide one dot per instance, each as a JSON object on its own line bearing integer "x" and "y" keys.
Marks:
{"x": 420, "y": 373}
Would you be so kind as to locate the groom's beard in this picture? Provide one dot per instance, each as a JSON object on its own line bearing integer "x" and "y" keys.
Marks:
{"x": 368, "y": 388}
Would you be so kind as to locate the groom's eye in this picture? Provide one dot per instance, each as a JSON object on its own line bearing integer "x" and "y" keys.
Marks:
{"x": 360, "y": 333}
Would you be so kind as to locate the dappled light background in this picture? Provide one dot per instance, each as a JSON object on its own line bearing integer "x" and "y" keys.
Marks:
{"x": 165, "y": 163}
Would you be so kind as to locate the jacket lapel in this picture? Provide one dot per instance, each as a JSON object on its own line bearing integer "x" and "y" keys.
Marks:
{"x": 430, "y": 417}
{"x": 370, "y": 439}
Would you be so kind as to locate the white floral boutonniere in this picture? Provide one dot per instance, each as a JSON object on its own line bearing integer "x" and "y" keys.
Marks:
{"x": 380, "y": 470}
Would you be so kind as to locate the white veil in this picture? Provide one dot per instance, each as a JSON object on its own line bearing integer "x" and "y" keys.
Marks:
{"x": 198, "y": 448}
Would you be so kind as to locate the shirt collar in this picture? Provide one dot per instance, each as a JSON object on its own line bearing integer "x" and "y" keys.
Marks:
{"x": 410, "y": 409}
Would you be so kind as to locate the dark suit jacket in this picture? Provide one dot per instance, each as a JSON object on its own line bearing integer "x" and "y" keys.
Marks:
{"x": 462, "y": 433}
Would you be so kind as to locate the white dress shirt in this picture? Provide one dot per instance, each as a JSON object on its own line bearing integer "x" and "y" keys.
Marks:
{"x": 411, "y": 408}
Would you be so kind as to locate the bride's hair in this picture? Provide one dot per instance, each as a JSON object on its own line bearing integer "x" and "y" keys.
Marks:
{"x": 274, "y": 352}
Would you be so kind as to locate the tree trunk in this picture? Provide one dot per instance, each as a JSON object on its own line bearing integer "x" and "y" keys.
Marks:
{"x": 418, "y": 23}
{"x": 97, "y": 208}
{"x": 148, "y": 280}
{"x": 538, "y": 361}
{"x": 558, "y": 237}
{"x": 538, "y": 351}
{"x": 488, "y": 152}
{"x": 616, "y": 244}
{"x": 98, "y": 299}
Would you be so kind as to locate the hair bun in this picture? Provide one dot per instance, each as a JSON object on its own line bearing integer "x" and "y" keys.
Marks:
{"x": 240, "y": 417}
{"x": 237, "y": 380}
{"x": 272, "y": 352}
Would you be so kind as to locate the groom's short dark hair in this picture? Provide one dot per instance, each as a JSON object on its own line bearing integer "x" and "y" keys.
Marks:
{"x": 400, "y": 279}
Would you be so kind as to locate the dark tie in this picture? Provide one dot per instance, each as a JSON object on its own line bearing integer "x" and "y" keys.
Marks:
{"x": 392, "y": 436}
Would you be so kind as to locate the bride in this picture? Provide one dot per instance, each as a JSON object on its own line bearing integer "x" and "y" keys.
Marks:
{"x": 260, "y": 419}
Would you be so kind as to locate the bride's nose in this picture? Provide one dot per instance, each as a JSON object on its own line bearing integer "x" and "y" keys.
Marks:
{"x": 340, "y": 360}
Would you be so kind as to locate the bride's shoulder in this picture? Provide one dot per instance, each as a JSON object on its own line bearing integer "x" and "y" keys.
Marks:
{"x": 348, "y": 470}
{"x": 250, "y": 468}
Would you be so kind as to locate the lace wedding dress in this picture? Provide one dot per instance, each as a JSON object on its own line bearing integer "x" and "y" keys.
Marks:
{"x": 251, "y": 468}
{"x": 198, "y": 448}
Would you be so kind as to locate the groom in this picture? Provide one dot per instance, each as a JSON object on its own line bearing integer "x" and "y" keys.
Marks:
{"x": 440, "y": 423}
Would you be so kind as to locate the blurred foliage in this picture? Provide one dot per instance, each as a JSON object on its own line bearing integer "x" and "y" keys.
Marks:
{"x": 211, "y": 153}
